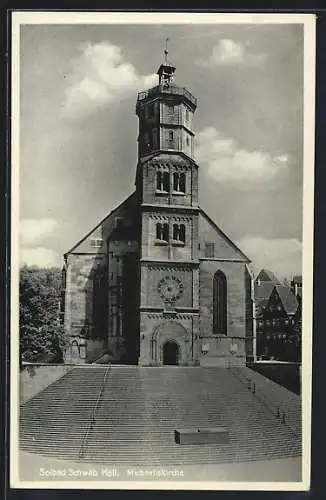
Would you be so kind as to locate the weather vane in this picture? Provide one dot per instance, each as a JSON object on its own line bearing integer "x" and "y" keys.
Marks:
{"x": 166, "y": 52}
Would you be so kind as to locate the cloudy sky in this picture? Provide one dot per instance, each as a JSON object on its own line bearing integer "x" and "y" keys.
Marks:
{"x": 78, "y": 130}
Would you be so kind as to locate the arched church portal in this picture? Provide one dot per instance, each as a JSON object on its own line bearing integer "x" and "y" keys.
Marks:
{"x": 170, "y": 344}
{"x": 171, "y": 353}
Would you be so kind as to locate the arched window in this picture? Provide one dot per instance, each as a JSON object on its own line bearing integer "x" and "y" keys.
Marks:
{"x": 179, "y": 233}
{"x": 162, "y": 232}
{"x": 219, "y": 303}
{"x": 162, "y": 181}
{"x": 171, "y": 139}
{"x": 179, "y": 182}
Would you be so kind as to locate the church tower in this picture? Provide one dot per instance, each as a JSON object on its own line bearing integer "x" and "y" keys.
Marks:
{"x": 167, "y": 193}
{"x": 157, "y": 282}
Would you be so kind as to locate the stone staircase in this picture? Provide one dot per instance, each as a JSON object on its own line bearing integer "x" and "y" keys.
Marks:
{"x": 279, "y": 398}
{"x": 139, "y": 410}
{"x": 54, "y": 421}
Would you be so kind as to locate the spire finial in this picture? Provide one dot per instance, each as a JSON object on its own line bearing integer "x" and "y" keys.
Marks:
{"x": 166, "y": 52}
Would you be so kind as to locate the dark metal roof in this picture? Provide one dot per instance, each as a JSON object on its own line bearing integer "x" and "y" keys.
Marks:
{"x": 264, "y": 291}
{"x": 267, "y": 276}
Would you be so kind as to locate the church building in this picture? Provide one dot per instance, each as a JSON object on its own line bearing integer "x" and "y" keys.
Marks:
{"x": 156, "y": 281}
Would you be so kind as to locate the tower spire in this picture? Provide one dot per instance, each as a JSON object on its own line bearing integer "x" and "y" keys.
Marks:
{"x": 166, "y": 71}
{"x": 166, "y": 52}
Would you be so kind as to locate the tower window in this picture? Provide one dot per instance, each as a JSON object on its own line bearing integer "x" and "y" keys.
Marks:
{"x": 179, "y": 182}
{"x": 118, "y": 222}
{"x": 151, "y": 110}
{"x": 154, "y": 138}
{"x": 162, "y": 232}
{"x": 162, "y": 181}
{"x": 171, "y": 138}
{"x": 187, "y": 114}
{"x": 147, "y": 140}
{"x": 179, "y": 233}
{"x": 219, "y": 303}
{"x": 209, "y": 249}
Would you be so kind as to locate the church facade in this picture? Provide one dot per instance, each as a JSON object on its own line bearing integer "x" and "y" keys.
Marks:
{"x": 156, "y": 281}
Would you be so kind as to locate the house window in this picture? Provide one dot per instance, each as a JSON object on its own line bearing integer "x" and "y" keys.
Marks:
{"x": 96, "y": 242}
{"x": 162, "y": 232}
{"x": 219, "y": 303}
{"x": 163, "y": 181}
{"x": 179, "y": 182}
{"x": 209, "y": 249}
{"x": 179, "y": 233}
{"x": 82, "y": 351}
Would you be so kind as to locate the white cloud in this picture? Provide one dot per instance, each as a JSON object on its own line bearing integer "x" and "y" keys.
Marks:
{"x": 40, "y": 256}
{"x": 229, "y": 52}
{"x": 281, "y": 256}
{"x": 225, "y": 161}
{"x": 100, "y": 75}
{"x": 32, "y": 231}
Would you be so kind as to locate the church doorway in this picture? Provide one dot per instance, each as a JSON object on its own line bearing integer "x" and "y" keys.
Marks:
{"x": 170, "y": 353}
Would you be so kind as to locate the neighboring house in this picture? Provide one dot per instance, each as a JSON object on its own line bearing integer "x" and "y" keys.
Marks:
{"x": 157, "y": 281}
{"x": 278, "y": 319}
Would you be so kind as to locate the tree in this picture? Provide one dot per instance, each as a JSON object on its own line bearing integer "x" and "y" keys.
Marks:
{"x": 40, "y": 332}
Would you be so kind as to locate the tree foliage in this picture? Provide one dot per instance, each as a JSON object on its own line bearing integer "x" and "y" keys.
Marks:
{"x": 41, "y": 333}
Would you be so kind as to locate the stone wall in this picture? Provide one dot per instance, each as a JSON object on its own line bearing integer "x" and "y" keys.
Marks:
{"x": 85, "y": 302}
{"x": 219, "y": 346}
{"x": 171, "y": 163}
{"x": 151, "y": 276}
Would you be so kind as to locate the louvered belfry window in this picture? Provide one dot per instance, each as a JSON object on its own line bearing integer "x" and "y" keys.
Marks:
{"x": 219, "y": 303}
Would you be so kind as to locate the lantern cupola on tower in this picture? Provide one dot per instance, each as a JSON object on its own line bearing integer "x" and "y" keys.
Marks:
{"x": 165, "y": 114}
{"x": 165, "y": 74}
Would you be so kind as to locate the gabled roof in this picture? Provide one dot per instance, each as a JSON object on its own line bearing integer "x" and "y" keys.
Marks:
{"x": 264, "y": 291}
{"x": 267, "y": 276}
{"x": 288, "y": 299}
{"x": 230, "y": 242}
{"x": 130, "y": 197}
